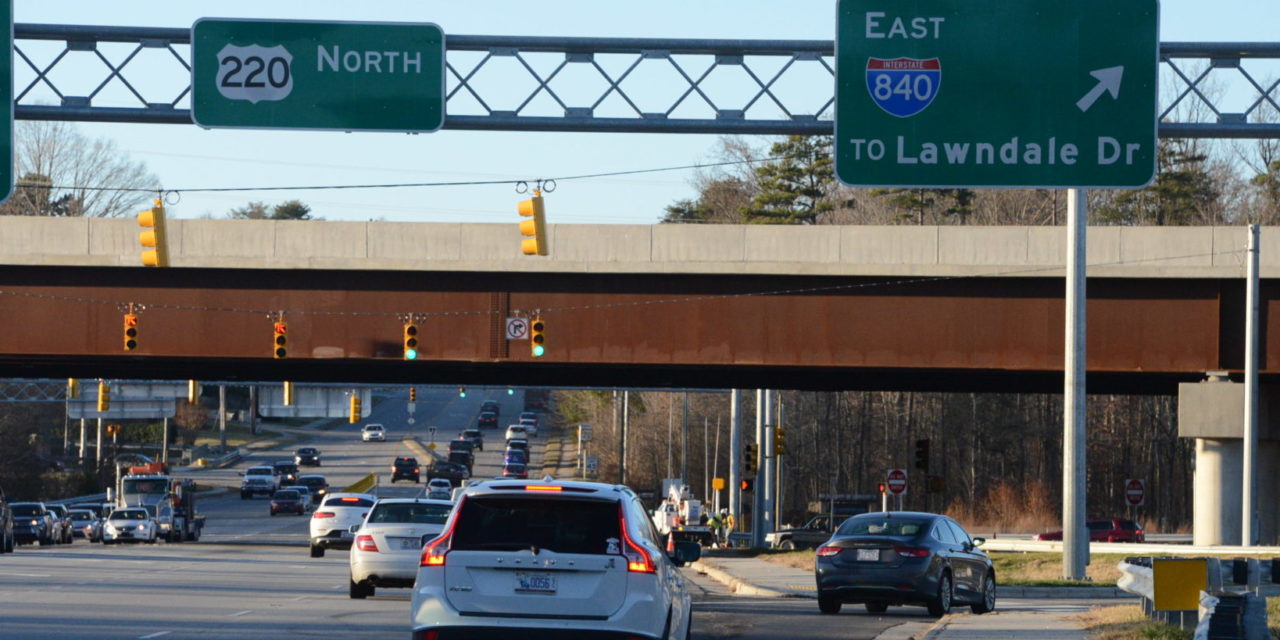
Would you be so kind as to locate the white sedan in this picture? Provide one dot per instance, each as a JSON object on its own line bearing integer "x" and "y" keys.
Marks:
{"x": 388, "y": 545}
{"x": 373, "y": 432}
{"x": 129, "y": 525}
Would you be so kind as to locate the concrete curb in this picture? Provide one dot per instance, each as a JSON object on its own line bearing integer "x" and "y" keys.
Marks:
{"x": 740, "y": 586}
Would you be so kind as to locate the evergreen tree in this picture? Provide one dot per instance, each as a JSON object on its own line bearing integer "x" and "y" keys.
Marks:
{"x": 794, "y": 186}
{"x": 1183, "y": 192}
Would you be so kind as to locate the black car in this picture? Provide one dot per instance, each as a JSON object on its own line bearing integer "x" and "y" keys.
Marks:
{"x": 6, "y": 526}
{"x": 904, "y": 558}
{"x": 405, "y": 468}
{"x": 32, "y": 523}
{"x": 61, "y": 522}
{"x": 287, "y": 470}
{"x": 307, "y": 457}
{"x": 464, "y": 458}
{"x": 491, "y": 407}
{"x": 318, "y": 486}
{"x": 487, "y": 420}
{"x": 454, "y": 473}
{"x": 475, "y": 435}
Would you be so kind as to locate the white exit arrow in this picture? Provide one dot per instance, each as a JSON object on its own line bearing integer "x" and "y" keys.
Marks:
{"x": 1108, "y": 81}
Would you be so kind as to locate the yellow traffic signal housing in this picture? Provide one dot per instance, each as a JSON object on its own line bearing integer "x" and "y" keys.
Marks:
{"x": 281, "y": 340}
{"x": 535, "y": 228}
{"x": 779, "y": 442}
{"x": 413, "y": 394}
{"x": 288, "y": 393}
{"x": 73, "y": 388}
{"x": 104, "y": 397}
{"x": 193, "y": 391}
{"x": 537, "y": 341}
{"x": 410, "y": 341}
{"x": 355, "y": 407}
{"x": 130, "y": 332}
{"x": 155, "y": 237}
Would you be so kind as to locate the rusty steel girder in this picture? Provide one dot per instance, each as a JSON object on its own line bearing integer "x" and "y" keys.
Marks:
{"x": 995, "y": 334}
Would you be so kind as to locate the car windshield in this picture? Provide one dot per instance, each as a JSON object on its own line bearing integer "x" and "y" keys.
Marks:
{"x": 286, "y": 495}
{"x": 406, "y": 462}
{"x": 306, "y": 451}
{"x": 373, "y": 427}
{"x": 81, "y": 515}
{"x": 26, "y": 510}
{"x": 286, "y": 466}
{"x": 347, "y": 501}
{"x": 259, "y": 471}
{"x": 882, "y": 526}
{"x": 128, "y": 514}
{"x": 1129, "y": 525}
{"x": 411, "y": 512}
{"x": 312, "y": 481}
{"x": 560, "y": 525}
{"x": 1098, "y": 525}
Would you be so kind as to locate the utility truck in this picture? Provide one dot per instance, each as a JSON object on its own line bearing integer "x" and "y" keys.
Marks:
{"x": 172, "y": 501}
{"x": 680, "y": 514}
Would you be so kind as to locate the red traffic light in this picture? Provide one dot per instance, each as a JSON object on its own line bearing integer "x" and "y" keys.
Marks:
{"x": 747, "y": 484}
{"x": 881, "y": 487}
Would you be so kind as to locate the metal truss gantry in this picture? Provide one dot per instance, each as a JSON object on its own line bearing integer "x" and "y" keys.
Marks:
{"x": 778, "y": 87}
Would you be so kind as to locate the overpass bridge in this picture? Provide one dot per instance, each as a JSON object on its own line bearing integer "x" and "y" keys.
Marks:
{"x": 818, "y": 307}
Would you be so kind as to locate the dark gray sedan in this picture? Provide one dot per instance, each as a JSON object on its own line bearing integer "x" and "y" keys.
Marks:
{"x": 904, "y": 558}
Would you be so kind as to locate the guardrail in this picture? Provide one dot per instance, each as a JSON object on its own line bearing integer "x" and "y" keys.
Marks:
{"x": 1231, "y": 605}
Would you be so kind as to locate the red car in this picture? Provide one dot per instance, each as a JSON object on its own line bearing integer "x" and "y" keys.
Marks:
{"x": 286, "y": 501}
{"x": 1104, "y": 530}
{"x": 515, "y": 470}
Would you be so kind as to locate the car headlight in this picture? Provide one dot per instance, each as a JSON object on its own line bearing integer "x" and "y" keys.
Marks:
{"x": 35, "y": 522}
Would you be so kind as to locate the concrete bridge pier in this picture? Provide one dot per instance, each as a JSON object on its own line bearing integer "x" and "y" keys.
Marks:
{"x": 1212, "y": 412}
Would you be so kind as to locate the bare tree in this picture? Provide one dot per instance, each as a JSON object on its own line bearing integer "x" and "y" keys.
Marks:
{"x": 64, "y": 172}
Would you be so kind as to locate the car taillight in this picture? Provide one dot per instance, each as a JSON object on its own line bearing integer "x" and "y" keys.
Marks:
{"x": 827, "y": 552}
{"x": 417, "y": 471}
{"x": 366, "y": 543}
{"x": 911, "y": 552}
{"x": 322, "y": 514}
{"x": 638, "y": 558}
{"x": 433, "y": 552}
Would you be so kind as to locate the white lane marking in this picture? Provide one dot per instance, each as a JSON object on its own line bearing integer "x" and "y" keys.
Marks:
{"x": 336, "y": 586}
{"x": 26, "y": 575}
{"x": 237, "y": 615}
{"x": 155, "y": 635}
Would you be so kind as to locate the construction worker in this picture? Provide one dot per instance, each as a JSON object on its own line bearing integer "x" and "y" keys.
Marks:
{"x": 727, "y": 524}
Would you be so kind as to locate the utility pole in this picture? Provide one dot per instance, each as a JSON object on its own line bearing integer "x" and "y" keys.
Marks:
{"x": 684, "y": 441}
{"x": 253, "y": 409}
{"x": 164, "y": 441}
{"x": 626, "y": 415}
{"x": 83, "y": 439}
{"x": 1248, "y": 521}
{"x": 757, "y": 498}
{"x": 735, "y": 455}
{"x": 222, "y": 416}
{"x": 1075, "y": 538}
{"x": 770, "y": 464}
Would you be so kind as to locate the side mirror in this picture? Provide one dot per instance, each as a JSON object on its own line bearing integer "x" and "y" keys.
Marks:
{"x": 355, "y": 528}
{"x": 685, "y": 553}
{"x": 977, "y": 542}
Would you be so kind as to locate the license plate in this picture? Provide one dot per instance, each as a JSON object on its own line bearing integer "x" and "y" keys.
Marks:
{"x": 410, "y": 543}
{"x": 528, "y": 582}
{"x": 868, "y": 555}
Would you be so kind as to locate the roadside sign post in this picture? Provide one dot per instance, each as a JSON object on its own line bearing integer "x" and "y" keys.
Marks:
{"x": 301, "y": 74}
{"x": 987, "y": 93}
{"x": 896, "y": 485}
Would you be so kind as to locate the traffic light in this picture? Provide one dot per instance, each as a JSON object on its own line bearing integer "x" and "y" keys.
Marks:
{"x": 354, "y": 416}
{"x": 537, "y": 341}
{"x": 922, "y": 454}
{"x": 880, "y": 488}
{"x": 510, "y": 391}
{"x": 413, "y": 394}
{"x": 535, "y": 227}
{"x": 462, "y": 392}
{"x": 410, "y": 341}
{"x": 750, "y": 456}
{"x": 779, "y": 441}
{"x": 281, "y": 340}
{"x": 193, "y": 391}
{"x": 747, "y": 484}
{"x": 113, "y": 429}
{"x": 104, "y": 396}
{"x": 130, "y": 332}
{"x": 287, "y": 393}
{"x": 153, "y": 220}
{"x": 73, "y": 388}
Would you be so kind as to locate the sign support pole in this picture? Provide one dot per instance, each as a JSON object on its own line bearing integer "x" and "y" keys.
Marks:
{"x": 1248, "y": 532}
{"x": 735, "y": 455}
{"x": 1075, "y": 550}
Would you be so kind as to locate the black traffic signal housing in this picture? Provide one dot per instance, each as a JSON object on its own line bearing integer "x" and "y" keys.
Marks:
{"x": 747, "y": 484}
{"x": 922, "y": 454}
{"x": 281, "y": 346}
{"x": 410, "y": 341}
{"x": 537, "y": 341}
{"x": 751, "y": 458}
{"x": 130, "y": 332}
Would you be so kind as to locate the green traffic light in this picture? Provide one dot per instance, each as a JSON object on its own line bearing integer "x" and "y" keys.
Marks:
{"x": 538, "y": 350}
{"x": 511, "y": 392}
{"x": 410, "y": 354}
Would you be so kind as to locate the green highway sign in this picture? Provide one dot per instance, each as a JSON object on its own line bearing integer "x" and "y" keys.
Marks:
{"x": 297, "y": 74}
{"x": 993, "y": 93}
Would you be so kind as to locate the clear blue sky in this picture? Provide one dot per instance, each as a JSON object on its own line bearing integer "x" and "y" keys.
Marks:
{"x": 186, "y": 156}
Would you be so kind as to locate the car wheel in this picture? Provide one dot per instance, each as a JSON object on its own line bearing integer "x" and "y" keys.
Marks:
{"x": 317, "y": 551}
{"x": 988, "y": 603}
{"x": 244, "y": 495}
{"x": 828, "y": 604}
{"x": 357, "y": 590}
{"x": 787, "y": 545}
{"x": 876, "y": 607}
{"x": 941, "y": 603}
